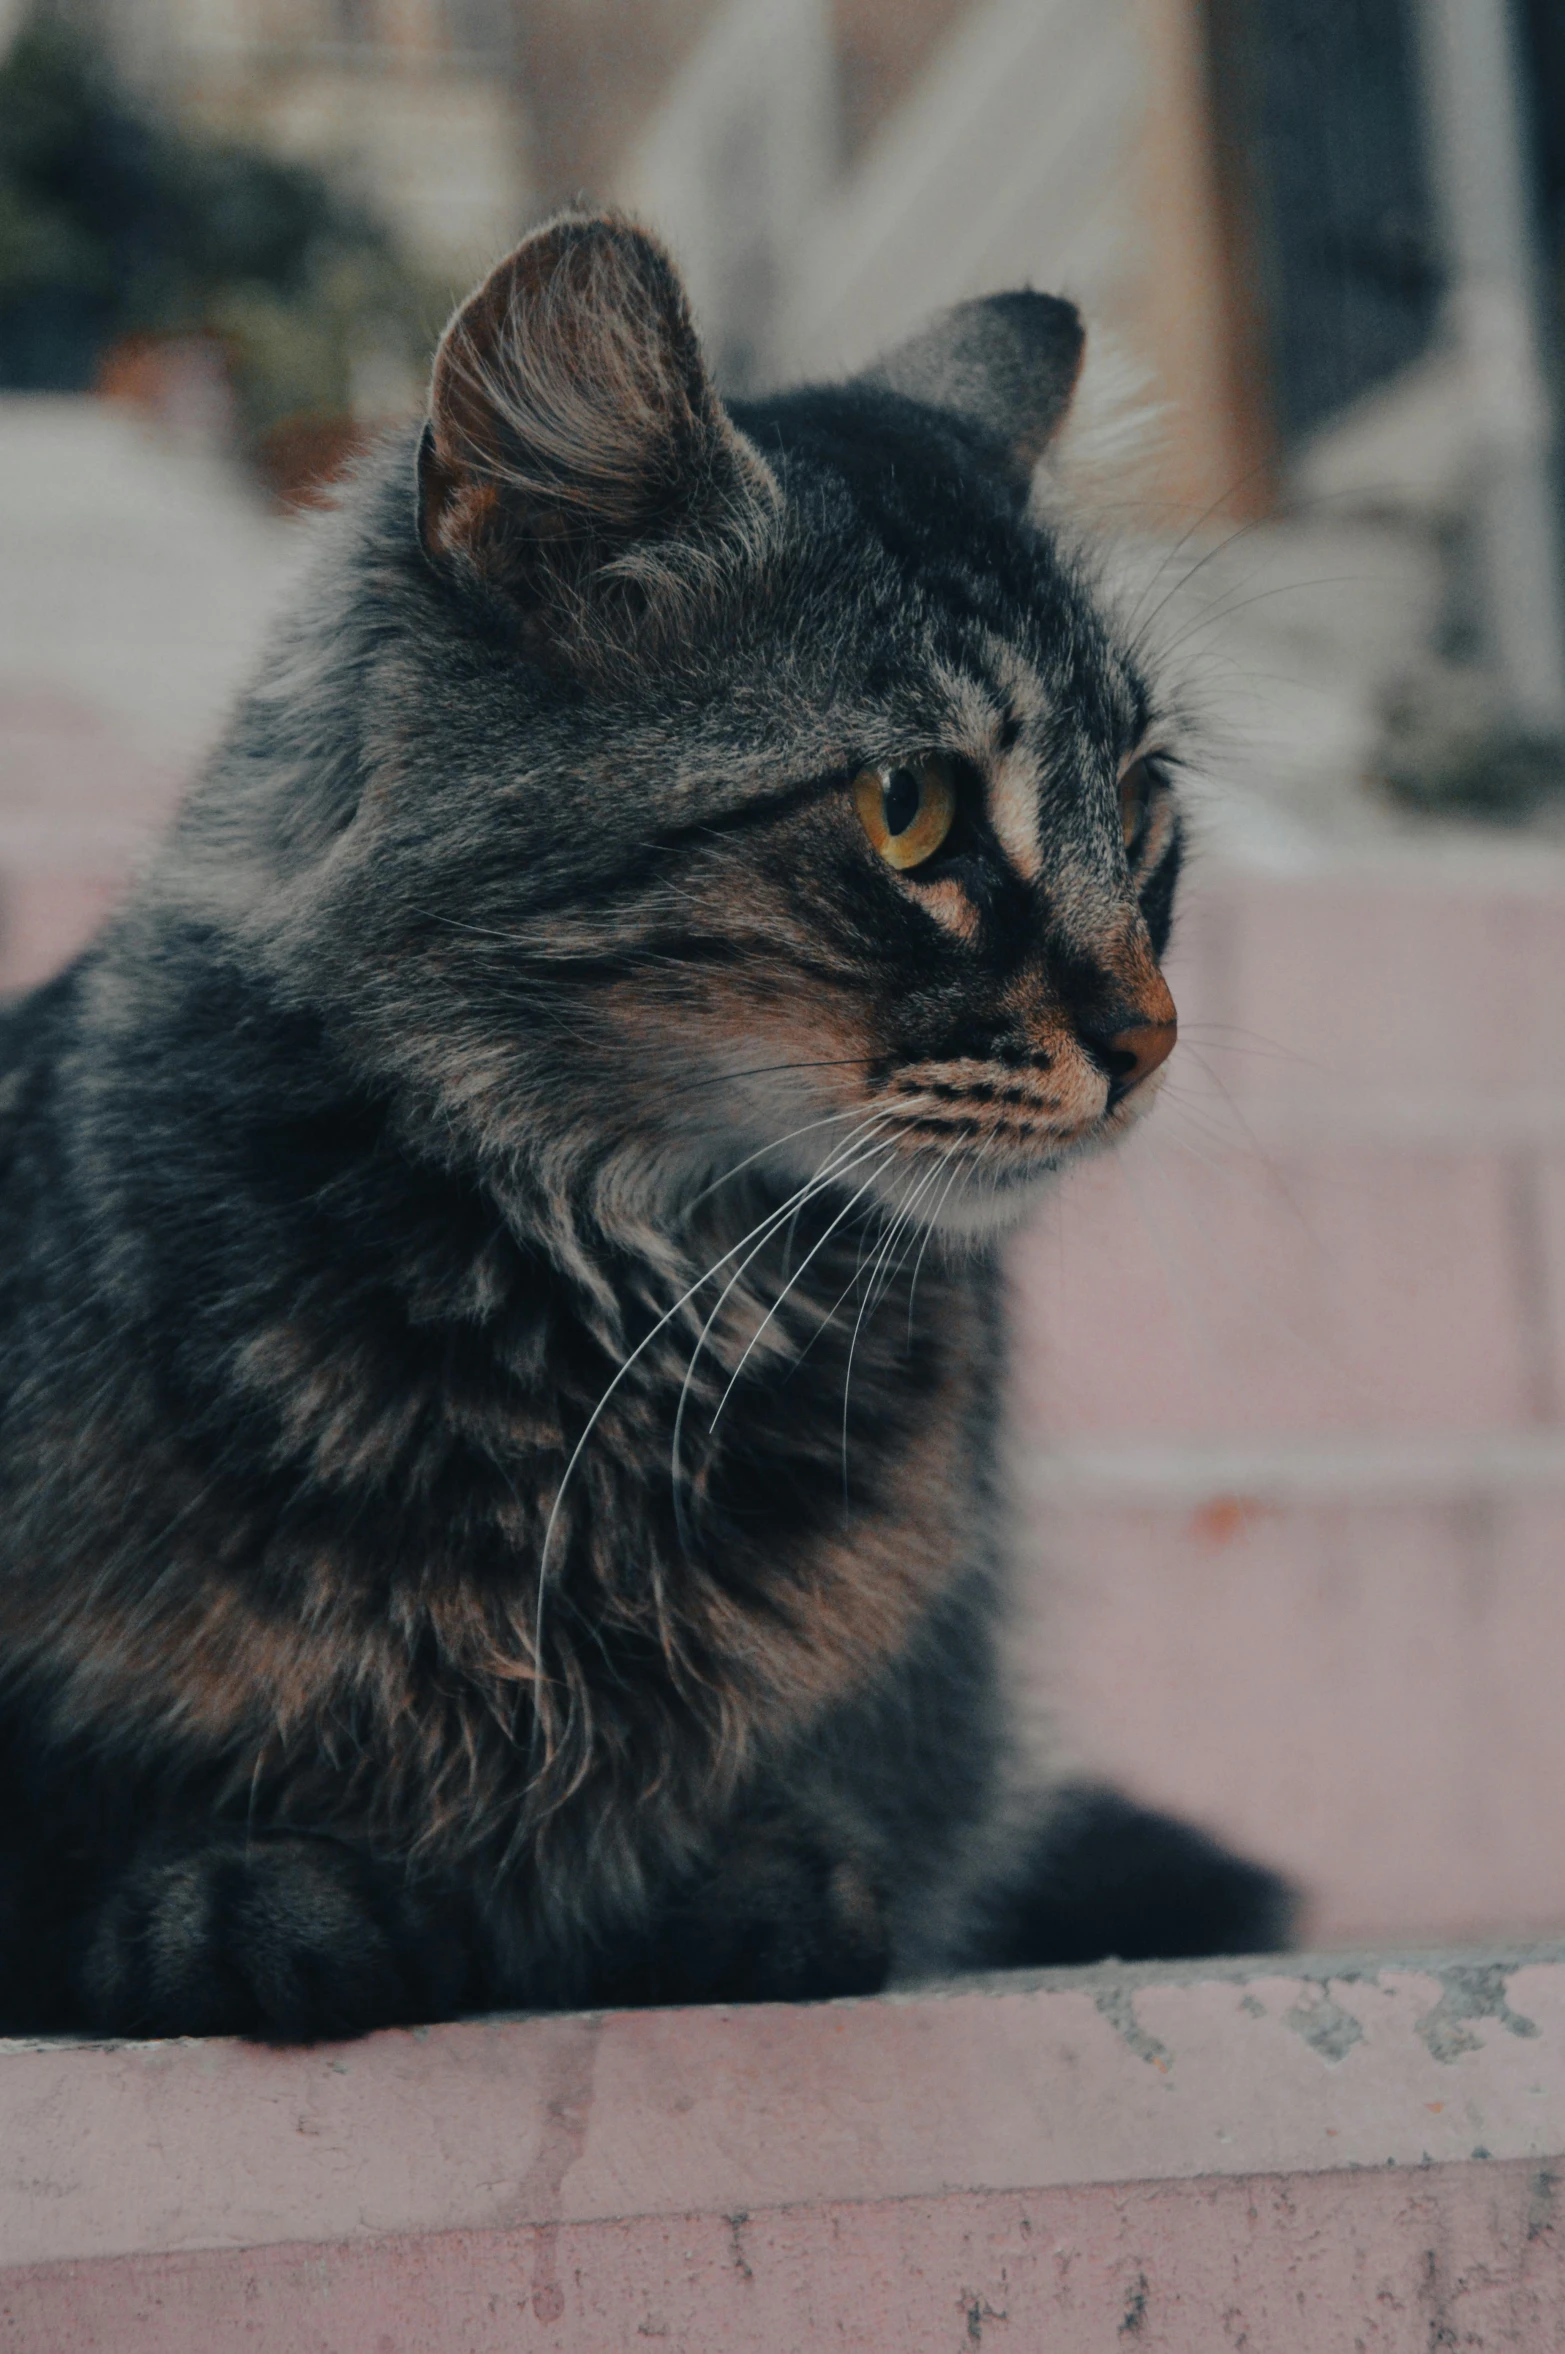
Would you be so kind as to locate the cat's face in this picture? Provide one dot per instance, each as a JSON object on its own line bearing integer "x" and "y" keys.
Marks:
{"x": 798, "y": 802}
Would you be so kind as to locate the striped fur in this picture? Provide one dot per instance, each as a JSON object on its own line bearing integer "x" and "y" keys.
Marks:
{"x": 497, "y": 1338}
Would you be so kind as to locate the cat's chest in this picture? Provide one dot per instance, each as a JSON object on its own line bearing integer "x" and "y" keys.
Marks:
{"x": 796, "y": 1485}
{"x": 743, "y": 1521}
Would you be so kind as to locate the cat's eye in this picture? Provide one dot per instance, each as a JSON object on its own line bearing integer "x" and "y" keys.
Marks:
{"x": 1137, "y": 792}
{"x": 907, "y": 812}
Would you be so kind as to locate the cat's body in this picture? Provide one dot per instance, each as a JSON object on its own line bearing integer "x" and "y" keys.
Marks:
{"x": 498, "y": 1480}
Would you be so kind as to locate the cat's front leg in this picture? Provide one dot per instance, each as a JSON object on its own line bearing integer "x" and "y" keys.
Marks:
{"x": 289, "y": 1938}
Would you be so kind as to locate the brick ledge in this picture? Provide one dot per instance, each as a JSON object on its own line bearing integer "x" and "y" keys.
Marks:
{"x": 1136, "y": 2111}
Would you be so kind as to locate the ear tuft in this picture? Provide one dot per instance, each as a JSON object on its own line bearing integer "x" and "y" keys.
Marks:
{"x": 1007, "y": 363}
{"x": 572, "y": 421}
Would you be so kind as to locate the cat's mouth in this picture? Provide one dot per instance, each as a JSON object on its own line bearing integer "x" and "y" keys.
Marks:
{"x": 981, "y": 1130}
{"x": 968, "y": 1145}
{"x": 968, "y": 1142}
{"x": 963, "y": 1143}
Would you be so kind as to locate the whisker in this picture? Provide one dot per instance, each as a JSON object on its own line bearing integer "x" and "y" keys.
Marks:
{"x": 839, "y": 1163}
{"x": 1240, "y": 482}
{"x": 775, "y": 1145}
{"x": 880, "y": 1277}
{"x": 830, "y": 1316}
{"x": 953, "y": 1152}
{"x": 1286, "y": 588}
{"x": 1235, "y": 1038}
{"x": 1229, "y": 539}
{"x": 867, "y": 1302}
{"x": 887, "y": 1155}
{"x": 772, "y": 1218}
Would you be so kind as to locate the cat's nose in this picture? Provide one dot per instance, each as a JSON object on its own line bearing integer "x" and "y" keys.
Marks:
{"x": 1134, "y": 1054}
{"x": 1131, "y": 1046}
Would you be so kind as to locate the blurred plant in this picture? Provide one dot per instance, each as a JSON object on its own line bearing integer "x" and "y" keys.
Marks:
{"x": 1449, "y": 749}
{"x": 115, "y": 226}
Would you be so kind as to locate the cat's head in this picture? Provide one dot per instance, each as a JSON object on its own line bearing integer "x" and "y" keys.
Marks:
{"x": 753, "y": 781}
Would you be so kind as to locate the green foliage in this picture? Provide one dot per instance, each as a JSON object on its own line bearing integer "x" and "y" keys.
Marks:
{"x": 113, "y": 223}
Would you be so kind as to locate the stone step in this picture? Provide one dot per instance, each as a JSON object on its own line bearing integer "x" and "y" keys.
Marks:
{"x": 1295, "y": 2153}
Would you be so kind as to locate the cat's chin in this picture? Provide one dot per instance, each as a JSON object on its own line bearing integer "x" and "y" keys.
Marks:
{"x": 1002, "y": 1199}
{"x": 990, "y": 1203}
{"x": 990, "y": 1199}
{"x": 981, "y": 1211}
{"x": 995, "y": 1199}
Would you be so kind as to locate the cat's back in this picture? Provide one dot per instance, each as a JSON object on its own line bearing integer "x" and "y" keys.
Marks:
{"x": 36, "y": 1032}
{"x": 41, "y": 1035}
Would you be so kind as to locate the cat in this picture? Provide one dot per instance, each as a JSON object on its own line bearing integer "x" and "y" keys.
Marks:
{"x": 500, "y": 1345}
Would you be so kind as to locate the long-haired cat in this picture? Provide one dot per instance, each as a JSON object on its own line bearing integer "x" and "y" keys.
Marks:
{"x": 499, "y": 1346}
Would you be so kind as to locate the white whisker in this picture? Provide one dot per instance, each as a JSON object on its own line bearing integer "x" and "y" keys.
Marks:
{"x": 775, "y": 1145}
{"x": 887, "y": 1154}
{"x": 903, "y": 1214}
{"x": 838, "y": 1163}
{"x": 772, "y": 1218}
{"x": 952, "y": 1154}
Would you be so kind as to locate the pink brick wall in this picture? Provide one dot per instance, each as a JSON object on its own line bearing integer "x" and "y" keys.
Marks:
{"x": 1291, "y": 1398}
{"x": 1331, "y": 1286}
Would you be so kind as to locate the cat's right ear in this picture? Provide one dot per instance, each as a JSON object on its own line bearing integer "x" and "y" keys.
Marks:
{"x": 577, "y": 462}
{"x": 1006, "y": 363}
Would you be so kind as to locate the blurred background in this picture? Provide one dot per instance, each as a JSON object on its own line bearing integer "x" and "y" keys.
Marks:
{"x": 1290, "y": 1408}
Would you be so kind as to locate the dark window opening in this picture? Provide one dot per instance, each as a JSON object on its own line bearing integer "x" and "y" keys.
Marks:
{"x": 1318, "y": 110}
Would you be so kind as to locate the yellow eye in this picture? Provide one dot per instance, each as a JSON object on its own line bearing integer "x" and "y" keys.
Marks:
{"x": 907, "y": 812}
{"x": 1136, "y": 788}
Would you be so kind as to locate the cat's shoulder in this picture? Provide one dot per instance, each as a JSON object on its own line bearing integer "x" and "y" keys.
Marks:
{"x": 34, "y": 1028}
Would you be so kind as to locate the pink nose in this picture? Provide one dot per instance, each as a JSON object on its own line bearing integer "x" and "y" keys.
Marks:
{"x": 1133, "y": 1054}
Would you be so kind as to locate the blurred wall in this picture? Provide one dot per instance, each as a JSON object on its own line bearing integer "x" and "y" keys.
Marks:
{"x": 735, "y": 167}
{"x": 828, "y": 170}
{"x": 1235, "y": 190}
{"x": 414, "y": 101}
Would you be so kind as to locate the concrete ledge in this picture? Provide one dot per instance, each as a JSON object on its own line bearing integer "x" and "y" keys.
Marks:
{"x": 1330, "y": 2152}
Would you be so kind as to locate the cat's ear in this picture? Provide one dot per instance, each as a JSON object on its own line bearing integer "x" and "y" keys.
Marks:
{"x": 577, "y": 460}
{"x": 1007, "y": 363}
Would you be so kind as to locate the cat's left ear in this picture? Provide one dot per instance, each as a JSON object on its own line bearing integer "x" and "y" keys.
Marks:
{"x": 1006, "y": 363}
{"x": 577, "y": 462}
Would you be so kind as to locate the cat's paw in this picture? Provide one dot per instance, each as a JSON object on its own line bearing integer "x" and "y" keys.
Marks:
{"x": 781, "y": 1917}
{"x": 290, "y": 1939}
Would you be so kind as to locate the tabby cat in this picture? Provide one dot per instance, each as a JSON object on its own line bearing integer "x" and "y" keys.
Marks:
{"x": 499, "y": 1345}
